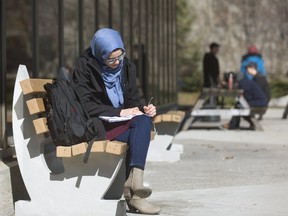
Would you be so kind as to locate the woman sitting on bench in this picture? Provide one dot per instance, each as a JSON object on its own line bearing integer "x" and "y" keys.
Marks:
{"x": 106, "y": 83}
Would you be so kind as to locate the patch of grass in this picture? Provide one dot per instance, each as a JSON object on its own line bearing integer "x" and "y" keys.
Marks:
{"x": 278, "y": 88}
{"x": 187, "y": 98}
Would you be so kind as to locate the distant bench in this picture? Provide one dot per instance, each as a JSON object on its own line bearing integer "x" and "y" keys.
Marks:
{"x": 260, "y": 111}
{"x": 285, "y": 113}
{"x": 199, "y": 110}
{"x": 67, "y": 185}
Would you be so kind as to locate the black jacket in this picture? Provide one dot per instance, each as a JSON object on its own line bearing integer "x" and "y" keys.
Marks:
{"x": 88, "y": 82}
{"x": 253, "y": 93}
{"x": 211, "y": 70}
{"x": 263, "y": 84}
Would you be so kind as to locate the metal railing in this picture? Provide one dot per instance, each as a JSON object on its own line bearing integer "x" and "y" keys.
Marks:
{"x": 148, "y": 28}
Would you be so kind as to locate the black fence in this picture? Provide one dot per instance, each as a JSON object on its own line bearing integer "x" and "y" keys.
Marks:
{"x": 46, "y": 35}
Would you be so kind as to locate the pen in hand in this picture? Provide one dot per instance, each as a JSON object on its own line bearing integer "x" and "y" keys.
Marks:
{"x": 150, "y": 101}
{"x": 150, "y": 110}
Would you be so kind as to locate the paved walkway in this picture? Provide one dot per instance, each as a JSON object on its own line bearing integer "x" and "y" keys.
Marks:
{"x": 226, "y": 172}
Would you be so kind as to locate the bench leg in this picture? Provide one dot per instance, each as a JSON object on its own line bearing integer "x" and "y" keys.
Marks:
{"x": 188, "y": 123}
{"x": 285, "y": 112}
{"x": 258, "y": 127}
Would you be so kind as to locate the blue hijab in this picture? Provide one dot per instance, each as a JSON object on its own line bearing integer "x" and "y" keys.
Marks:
{"x": 102, "y": 44}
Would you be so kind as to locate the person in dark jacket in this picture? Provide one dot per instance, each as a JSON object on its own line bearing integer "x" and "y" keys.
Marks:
{"x": 256, "y": 93}
{"x": 106, "y": 83}
{"x": 211, "y": 67}
{"x": 261, "y": 80}
{"x": 254, "y": 56}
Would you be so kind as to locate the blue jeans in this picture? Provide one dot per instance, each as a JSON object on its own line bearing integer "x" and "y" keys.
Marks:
{"x": 138, "y": 139}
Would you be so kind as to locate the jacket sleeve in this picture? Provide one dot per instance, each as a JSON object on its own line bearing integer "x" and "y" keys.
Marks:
{"x": 260, "y": 66}
{"x": 91, "y": 95}
{"x": 243, "y": 65}
{"x": 263, "y": 84}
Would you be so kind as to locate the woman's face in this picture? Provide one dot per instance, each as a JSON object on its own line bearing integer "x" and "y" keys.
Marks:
{"x": 114, "y": 58}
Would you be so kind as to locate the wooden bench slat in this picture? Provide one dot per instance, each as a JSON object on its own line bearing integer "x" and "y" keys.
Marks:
{"x": 157, "y": 119}
{"x": 177, "y": 118}
{"x": 99, "y": 146}
{"x": 112, "y": 147}
{"x": 221, "y": 92}
{"x": 79, "y": 149}
{"x": 116, "y": 147}
{"x": 35, "y": 106}
{"x": 40, "y": 125}
{"x": 168, "y": 117}
{"x": 34, "y": 85}
{"x": 63, "y": 151}
{"x": 177, "y": 112}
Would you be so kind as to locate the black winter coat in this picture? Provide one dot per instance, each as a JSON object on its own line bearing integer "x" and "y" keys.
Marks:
{"x": 253, "y": 93}
{"x": 211, "y": 70}
{"x": 88, "y": 82}
{"x": 263, "y": 84}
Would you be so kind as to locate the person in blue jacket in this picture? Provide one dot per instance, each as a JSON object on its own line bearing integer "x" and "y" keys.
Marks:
{"x": 256, "y": 93}
{"x": 254, "y": 56}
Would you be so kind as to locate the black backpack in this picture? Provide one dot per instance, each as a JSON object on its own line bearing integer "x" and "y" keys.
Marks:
{"x": 67, "y": 120}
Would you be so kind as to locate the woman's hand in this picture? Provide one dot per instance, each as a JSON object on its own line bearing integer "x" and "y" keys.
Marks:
{"x": 130, "y": 111}
{"x": 150, "y": 110}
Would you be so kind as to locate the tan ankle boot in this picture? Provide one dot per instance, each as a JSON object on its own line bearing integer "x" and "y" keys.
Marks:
{"x": 134, "y": 185}
{"x": 137, "y": 204}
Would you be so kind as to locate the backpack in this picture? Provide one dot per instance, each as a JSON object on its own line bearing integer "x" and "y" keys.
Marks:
{"x": 67, "y": 120}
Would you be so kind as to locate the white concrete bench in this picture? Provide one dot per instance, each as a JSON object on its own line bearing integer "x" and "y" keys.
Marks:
{"x": 57, "y": 180}
{"x": 162, "y": 147}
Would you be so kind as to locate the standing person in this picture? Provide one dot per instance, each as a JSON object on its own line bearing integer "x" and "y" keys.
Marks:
{"x": 106, "y": 83}
{"x": 211, "y": 66}
{"x": 254, "y": 56}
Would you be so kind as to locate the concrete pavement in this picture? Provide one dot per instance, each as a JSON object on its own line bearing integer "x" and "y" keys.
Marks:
{"x": 226, "y": 172}
{"x": 252, "y": 200}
